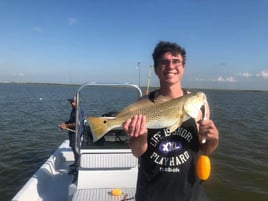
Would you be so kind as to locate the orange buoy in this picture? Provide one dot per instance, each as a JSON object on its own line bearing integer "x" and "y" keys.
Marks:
{"x": 203, "y": 167}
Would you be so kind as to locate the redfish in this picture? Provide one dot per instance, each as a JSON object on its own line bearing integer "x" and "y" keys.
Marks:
{"x": 169, "y": 114}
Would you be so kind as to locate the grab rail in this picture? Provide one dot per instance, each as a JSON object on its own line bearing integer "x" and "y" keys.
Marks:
{"x": 78, "y": 121}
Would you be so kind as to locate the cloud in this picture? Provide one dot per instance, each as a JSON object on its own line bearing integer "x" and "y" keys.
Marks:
{"x": 72, "y": 21}
{"x": 38, "y": 29}
{"x": 235, "y": 78}
{"x": 263, "y": 74}
{"x": 227, "y": 79}
{"x": 246, "y": 74}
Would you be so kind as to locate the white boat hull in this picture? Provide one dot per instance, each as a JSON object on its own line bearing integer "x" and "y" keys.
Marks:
{"x": 51, "y": 181}
{"x": 100, "y": 171}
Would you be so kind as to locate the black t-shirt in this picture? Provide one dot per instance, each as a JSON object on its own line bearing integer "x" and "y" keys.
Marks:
{"x": 167, "y": 170}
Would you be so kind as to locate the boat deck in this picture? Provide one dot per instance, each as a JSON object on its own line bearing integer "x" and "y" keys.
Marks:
{"x": 103, "y": 194}
{"x": 100, "y": 171}
{"x": 105, "y": 165}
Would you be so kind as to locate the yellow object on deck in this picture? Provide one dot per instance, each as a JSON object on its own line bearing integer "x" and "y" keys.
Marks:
{"x": 117, "y": 192}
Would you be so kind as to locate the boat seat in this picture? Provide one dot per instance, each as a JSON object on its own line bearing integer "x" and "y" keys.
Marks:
{"x": 103, "y": 194}
{"x": 100, "y": 161}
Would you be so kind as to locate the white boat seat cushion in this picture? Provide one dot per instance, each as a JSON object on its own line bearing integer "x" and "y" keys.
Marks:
{"x": 108, "y": 161}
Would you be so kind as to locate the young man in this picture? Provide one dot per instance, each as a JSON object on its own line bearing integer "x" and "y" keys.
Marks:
{"x": 169, "y": 174}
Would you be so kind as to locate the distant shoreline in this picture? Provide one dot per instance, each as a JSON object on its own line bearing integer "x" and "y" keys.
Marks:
{"x": 143, "y": 87}
{"x": 40, "y": 83}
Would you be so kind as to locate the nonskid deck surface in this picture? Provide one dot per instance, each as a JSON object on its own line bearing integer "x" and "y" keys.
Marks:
{"x": 104, "y": 194}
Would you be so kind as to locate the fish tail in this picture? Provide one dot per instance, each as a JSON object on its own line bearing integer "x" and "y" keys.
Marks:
{"x": 99, "y": 127}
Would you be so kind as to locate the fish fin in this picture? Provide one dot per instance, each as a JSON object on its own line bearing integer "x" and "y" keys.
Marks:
{"x": 178, "y": 123}
{"x": 161, "y": 99}
{"x": 139, "y": 105}
{"x": 173, "y": 127}
{"x": 99, "y": 126}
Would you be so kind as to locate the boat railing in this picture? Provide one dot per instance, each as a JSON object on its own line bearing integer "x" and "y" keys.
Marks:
{"x": 78, "y": 110}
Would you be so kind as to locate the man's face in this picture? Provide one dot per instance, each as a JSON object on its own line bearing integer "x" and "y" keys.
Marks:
{"x": 170, "y": 68}
{"x": 73, "y": 104}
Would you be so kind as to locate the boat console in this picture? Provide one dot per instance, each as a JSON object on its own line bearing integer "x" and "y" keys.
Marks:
{"x": 105, "y": 165}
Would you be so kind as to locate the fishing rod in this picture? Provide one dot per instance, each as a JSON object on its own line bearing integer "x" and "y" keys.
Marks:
{"x": 149, "y": 80}
{"x": 48, "y": 121}
{"x": 66, "y": 129}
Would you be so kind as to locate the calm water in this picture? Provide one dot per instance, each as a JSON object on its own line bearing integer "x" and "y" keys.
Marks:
{"x": 29, "y": 134}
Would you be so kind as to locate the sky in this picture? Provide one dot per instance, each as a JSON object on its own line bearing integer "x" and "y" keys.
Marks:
{"x": 111, "y": 41}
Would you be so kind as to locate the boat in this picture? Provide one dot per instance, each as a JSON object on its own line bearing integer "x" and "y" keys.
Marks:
{"x": 107, "y": 171}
